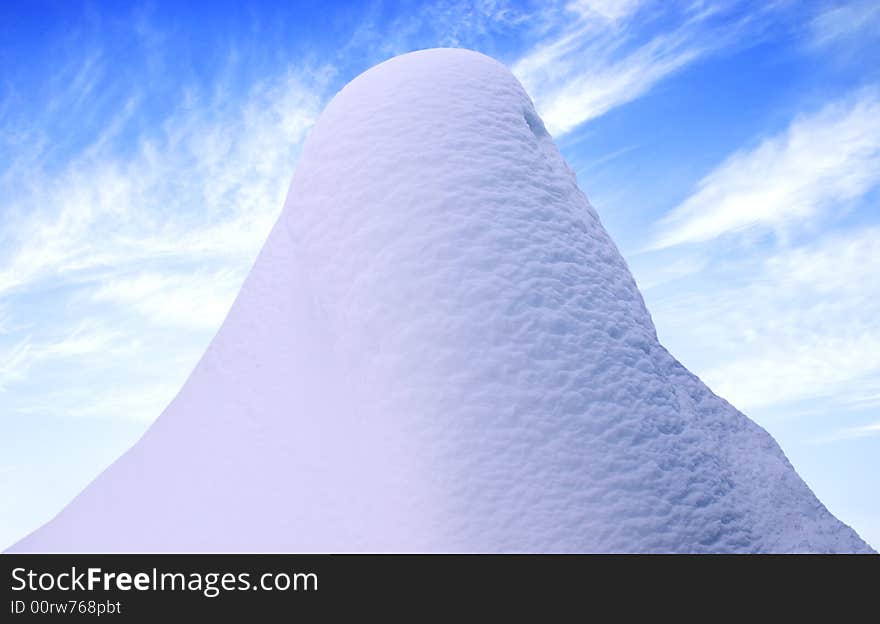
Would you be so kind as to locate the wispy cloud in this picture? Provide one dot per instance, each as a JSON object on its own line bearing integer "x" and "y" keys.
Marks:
{"x": 792, "y": 325}
{"x": 816, "y": 164}
{"x": 599, "y": 55}
{"x": 210, "y": 181}
{"x": 850, "y": 433}
{"x": 845, "y": 23}
{"x": 146, "y": 226}
{"x": 197, "y": 299}
{"x": 14, "y": 362}
{"x": 86, "y": 339}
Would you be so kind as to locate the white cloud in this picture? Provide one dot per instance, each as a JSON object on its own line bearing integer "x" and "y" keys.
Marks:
{"x": 655, "y": 275}
{"x": 149, "y": 232}
{"x": 816, "y": 164}
{"x": 873, "y": 429}
{"x": 798, "y": 324}
{"x": 86, "y": 339}
{"x": 137, "y": 237}
{"x": 143, "y": 403}
{"x": 603, "y": 54}
{"x": 840, "y": 23}
{"x": 210, "y": 182}
{"x": 612, "y": 10}
{"x": 14, "y": 362}
{"x": 191, "y": 300}
{"x": 850, "y": 433}
{"x": 820, "y": 365}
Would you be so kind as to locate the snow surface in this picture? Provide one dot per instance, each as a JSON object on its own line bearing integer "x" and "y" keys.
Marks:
{"x": 440, "y": 348}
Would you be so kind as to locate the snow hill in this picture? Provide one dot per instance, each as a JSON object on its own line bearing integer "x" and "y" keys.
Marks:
{"x": 440, "y": 348}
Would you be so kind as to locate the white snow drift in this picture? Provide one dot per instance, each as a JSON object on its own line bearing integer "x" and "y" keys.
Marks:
{"x": 440, "y": 349}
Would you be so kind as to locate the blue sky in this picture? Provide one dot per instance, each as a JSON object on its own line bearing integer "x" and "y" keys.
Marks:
{"x": 731, "y": 148}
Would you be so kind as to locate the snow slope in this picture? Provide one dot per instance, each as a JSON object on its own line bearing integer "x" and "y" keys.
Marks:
{"x": 439, "y": 348}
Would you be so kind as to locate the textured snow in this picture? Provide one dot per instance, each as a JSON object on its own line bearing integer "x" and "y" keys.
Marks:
{"x": 440, "y": 348}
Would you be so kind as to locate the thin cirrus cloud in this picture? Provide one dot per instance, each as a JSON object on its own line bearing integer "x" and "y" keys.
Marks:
{"x": 86, "y": 339}
{"x": 845, "y": 23}
{"x": 865, "y": 431}
{"x": 798, "y": 324}
{"x": 148, "y": 231}
{"x": 850, "y": 433}
{"x": 820, "y": 161}
{"x": 604, "y": 54}
{"x": 227, "y": 170}
{"x": 166, "y": 299}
